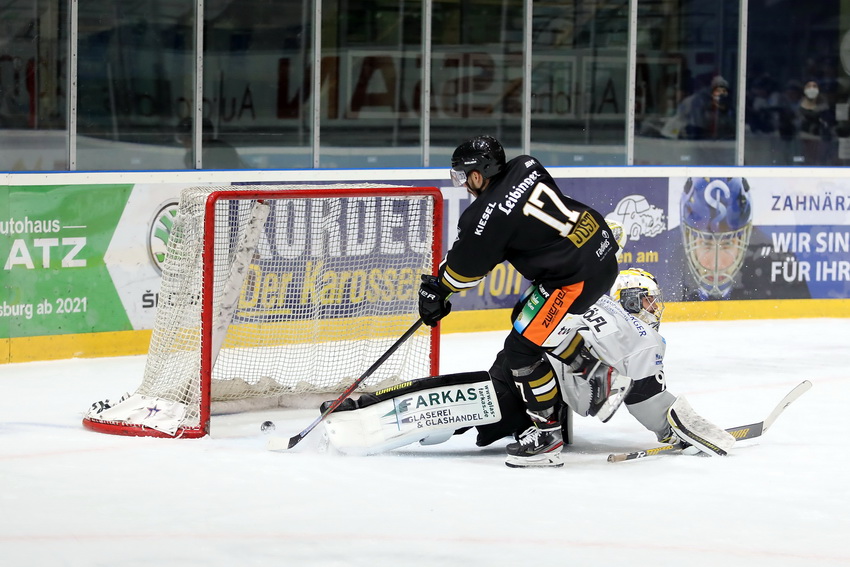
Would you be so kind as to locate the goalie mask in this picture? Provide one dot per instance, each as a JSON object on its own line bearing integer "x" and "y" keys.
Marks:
{"x": 483, "y": 154}
{"x": 717, "y": 219}
{"x": 638, "y": 292}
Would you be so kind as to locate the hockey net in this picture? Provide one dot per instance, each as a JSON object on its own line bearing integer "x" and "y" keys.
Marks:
{"x": 282, "y": 296}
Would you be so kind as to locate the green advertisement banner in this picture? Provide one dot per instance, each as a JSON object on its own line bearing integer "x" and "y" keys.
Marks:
{"x": 53, "y": 240}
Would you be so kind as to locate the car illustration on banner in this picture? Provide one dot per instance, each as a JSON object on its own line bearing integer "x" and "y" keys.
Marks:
{"x": 638, "y": 217}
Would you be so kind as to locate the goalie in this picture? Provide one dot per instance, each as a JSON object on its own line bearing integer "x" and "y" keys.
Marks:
{"x": 610, "y": 355}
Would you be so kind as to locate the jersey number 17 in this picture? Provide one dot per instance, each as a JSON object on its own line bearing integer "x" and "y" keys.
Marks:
{"x": 534, "y": 208}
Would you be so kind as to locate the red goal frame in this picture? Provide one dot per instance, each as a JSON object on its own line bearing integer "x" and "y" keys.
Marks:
{"x": 208, "y": 270}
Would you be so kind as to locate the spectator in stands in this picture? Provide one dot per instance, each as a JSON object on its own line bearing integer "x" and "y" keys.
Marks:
{"x": 816, "y": 125}
{"x": 710, "y": 113}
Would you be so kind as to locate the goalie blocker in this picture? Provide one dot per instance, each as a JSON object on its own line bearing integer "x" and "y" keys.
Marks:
{"x": 428, "y": 410}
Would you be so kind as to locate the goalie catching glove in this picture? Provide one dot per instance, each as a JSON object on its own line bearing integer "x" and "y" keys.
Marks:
{"x": 434, "y": 301}
{"x": 591, "y": 387}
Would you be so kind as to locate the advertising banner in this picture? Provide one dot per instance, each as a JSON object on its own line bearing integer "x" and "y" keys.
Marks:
{"x": 772, "y": 238}
{"x": 53, "y": 241}
{"x": 135, "y": 255}
{"x": 87, "y": 258}
{"x": 709, "y": 239}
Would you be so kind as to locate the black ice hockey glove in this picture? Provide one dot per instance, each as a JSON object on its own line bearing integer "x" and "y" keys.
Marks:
{"x": 434, "y": 301}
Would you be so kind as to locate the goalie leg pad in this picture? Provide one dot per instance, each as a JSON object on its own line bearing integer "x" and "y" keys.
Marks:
{"x": 696, "y": 430}
{"x": 414, "y": 412}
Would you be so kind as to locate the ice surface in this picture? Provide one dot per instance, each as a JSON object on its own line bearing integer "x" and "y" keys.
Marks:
{"x": 76, "y": 498}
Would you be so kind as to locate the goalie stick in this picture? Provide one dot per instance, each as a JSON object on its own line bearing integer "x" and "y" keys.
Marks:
{"x": 740, "y": 433}
{"x": 277, "y": 443}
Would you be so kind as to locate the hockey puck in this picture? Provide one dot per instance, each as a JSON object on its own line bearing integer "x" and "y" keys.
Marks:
{"x": 267, "y": 426}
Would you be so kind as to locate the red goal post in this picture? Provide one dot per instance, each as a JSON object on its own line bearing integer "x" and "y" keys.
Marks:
{"x": 282, "y": 295}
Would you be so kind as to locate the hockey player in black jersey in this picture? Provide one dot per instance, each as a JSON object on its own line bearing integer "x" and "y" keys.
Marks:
{"x": 562, "y": 246}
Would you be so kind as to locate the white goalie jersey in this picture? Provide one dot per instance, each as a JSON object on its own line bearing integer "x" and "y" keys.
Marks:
{"x": 630, "y": 346}
{"x": 619, "y": 340}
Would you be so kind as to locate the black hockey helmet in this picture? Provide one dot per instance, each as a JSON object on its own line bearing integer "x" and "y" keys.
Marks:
{"x": 483, "y": 154}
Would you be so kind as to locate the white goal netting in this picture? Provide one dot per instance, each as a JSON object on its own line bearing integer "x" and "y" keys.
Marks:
{"x": 277, "y": 295}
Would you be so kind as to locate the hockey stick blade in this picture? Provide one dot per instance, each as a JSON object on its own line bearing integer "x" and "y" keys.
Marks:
{"x": 275, "y": 444}
{"x": 739, "y": 433}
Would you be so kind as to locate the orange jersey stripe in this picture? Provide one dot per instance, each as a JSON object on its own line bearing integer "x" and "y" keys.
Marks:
{"x": 548, "y": 317}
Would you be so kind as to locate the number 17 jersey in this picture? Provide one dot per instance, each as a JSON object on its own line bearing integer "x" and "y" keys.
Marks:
{"x": 522, "y": 217}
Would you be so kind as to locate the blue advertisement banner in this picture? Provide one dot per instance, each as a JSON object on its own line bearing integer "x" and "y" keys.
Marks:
{"x": 704, "y": 238}
{"x": 772, "y": 238}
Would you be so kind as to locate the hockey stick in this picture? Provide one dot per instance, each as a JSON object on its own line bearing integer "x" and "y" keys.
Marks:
{"x": 740, "y": 433}
{"x": 276, "y": 445}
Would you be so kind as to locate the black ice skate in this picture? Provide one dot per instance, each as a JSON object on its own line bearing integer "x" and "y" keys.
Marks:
{"x": 538, "y": 446}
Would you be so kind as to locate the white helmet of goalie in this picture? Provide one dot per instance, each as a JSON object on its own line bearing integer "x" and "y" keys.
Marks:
{"x": 638, "y": 292}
